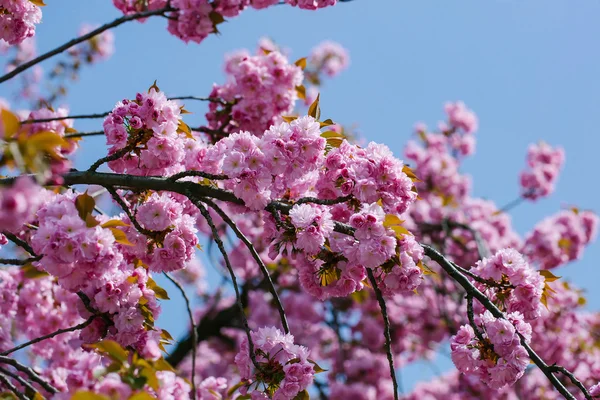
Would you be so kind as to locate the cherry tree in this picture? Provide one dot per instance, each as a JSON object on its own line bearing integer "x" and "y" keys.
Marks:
{"x": 339, "y": 262}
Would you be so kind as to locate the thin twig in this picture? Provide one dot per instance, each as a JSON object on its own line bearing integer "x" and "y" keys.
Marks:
{"x": 82, "y": 116}
{"x": 238, "y": 297}
{"x": 50, "y": 335}
{"x": 211, "y": 99}
{"x": 30, "y": 372}
{"x": 19, "y": 242}
{"x": 194, "y": 334}
{"x": 471, "y": 317}
{"x": 256, "y": 257}
{"x": 125, "y": 208}
{"x": 386, "y": 330}
{"x": 4, "y": 379}
{"x": 112, "y": 157}
{"x": 83, "y": 134}
{"x": 83, "y": 38}
{"x": 574, "y": 380}
{"x": 19, "y": 379}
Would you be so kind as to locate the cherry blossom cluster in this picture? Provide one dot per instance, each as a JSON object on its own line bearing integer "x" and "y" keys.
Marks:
{"x": 36, "y": 306}
{"x": 561, "y": 238}
{"x": 313, "y": 225}
{"x": 497, "y": 356}
{"x": 89, "y": 260}
{"x": 545, "y": 163}
{"x": 98, "y": 48}
{"x": 511, "y": 283}
{"x": 285, "y": 369}
{"x": 329, "y": 58}
{"x": 369, "y": 174}
{"x": 18, "y": 203}
{"x": 262, "y": 89}
{"x": 194, "y": 20}
{"x": 172, "y": 241}
{"x": 264, "y": 168}
{"x": 18, "y": 19}
{"x": 148, "y": 127}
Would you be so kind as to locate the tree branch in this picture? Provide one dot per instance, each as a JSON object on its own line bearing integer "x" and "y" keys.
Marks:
{"x": 194, "y": 334}
{"x": 83, "y": 38}
{"x": 50, "y": 335}
{"x": 386, "y": 330}
{"x": 256, "y": 257}
{"x": 6, "y": 382}
{"x": 487, "y": 303}
{"x": 30, "y": 372}
{"x": 238, "y": 298}
{"x": 19, "y": 379}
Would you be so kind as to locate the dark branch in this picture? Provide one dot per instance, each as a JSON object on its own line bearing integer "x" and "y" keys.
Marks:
{"x": 19, "y": 242}
{"x": 83, "y": 38}
{"x": 19, "y": 379}
{"x": 257, "y": 258}
{"x": 30, "y": 372}
{"x": 50, "y": 335}
{"x": 487, "y": 303}
{"x": 194, "y": 334}
{"x": 238, "y": 297}
{"x": 6, "y": 382}
{"x": 386, "y": 330}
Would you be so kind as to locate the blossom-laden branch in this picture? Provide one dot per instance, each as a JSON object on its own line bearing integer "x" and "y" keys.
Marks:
{"x": 473, "y": 292}
{"x": 81, "y": 39}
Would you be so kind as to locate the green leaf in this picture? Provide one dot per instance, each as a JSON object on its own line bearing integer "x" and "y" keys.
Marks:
{"x": 549, "y": 276}
{"x": 31, "y": 272}
{"x": 113, "y": 223}
{"x": 409, "y": 172}
{"x": 112, "y": 349}
{"x": 153, "y": 87}
{"x": 11, "y": 123}
{"x": 314, "y": 110}
{"x": 84, "y": 203}
{"x": 391, "y": 220}
{"x": 142, "y": 396}
{"x": 162, "y": 365}
{"x": 184, "y": 128}
{"x": 327, "y": 122}
{"x": 39, "y": 3}
{"x": 303, "y": 395}
{"x": 301, "y": 63}
{"x": 331, "y": 134}
{"x": 289, "y": 119}
{"x": 120, "y": 237}
{"x": 301, "y": 90}
{"x": 158, "y": 291}
{"x": 335, "y": 142}
{"x": 316, "y": 367}
{"x": 235, "y": 387}
{"x": 86, "y": 395}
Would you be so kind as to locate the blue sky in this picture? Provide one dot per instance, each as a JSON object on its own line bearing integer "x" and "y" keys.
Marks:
{"x": 528, "y": 69}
